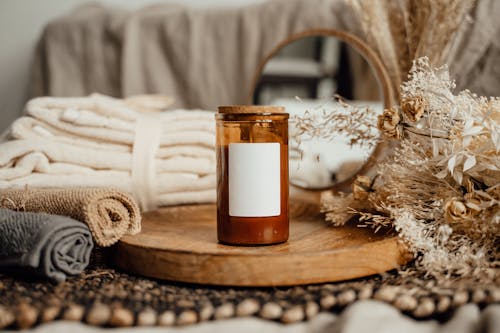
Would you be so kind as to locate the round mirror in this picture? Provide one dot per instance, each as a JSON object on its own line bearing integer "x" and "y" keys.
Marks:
{"x": 321, "y": 72}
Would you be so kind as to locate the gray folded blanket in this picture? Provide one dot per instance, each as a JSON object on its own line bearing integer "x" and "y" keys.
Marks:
{"x": 51, "y": 246}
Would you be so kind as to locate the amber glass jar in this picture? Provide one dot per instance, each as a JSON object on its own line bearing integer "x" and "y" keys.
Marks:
{"x": 252, "y": 175}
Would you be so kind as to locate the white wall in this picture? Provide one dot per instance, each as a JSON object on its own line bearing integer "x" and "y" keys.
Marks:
{"x": 21, "y": 22}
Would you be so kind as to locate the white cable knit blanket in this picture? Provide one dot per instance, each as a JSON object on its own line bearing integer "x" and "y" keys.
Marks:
{"x": 89, "y": 141}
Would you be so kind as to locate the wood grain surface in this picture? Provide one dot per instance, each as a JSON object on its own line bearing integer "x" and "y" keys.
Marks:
{"x": 180, "y": 243}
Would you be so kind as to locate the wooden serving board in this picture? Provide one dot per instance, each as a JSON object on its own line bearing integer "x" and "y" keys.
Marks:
{"x": 180, "y": 244}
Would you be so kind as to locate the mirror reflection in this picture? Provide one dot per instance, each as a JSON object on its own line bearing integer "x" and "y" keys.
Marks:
{"x": 304, "y": 76}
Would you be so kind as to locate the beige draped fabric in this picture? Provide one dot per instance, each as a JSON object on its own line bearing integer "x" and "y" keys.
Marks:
{"x": 209, "y": 57}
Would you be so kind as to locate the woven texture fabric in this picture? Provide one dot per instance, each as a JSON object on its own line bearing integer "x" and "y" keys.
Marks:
{"x": 108, "y": 213}
{"x": 50, "y": 246}
{"x": 105, "y": 297}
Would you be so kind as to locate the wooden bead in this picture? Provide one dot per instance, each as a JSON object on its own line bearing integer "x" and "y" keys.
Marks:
{"x": 425, "y": 308}
{"x": 346, "y": 297}
{"x": 167, "y": 318}
{"x": 327, "y": 302}
{"x": 329, "y": 287}
{"x": 271, "y": 310}
{"x": 386, "y": 294}
{"x": 405, "y": 302}
{"x": 53, "y": 301}
{"x": 293, "y": 315}
{"x": 247, "y": 307}
{"x": 443, "y": 304}
{"x": 121, "y": 317}
{"x": 206, "y": 312}
{"x": 74, "y": 313}
{"x": 98, "y": 315}
{"x": 312, "y": 309}
{"x": 460, "y": 298}
{"x": 478, "y": 296}
{"x": 50, "y": 313}
{"x": 6, "y": 317}
{"x": 494, "y": 295}
{"x": 365, "y": 292}
{"x": 146, "y": 317}
{"x": 26, "y": 316}
{"x": 185, "y": 303}
{"x": 187, "y": 317}
{"x": 224, "y": 311}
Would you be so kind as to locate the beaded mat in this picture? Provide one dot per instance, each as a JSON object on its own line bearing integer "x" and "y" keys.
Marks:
{"x": 105, "y": 297}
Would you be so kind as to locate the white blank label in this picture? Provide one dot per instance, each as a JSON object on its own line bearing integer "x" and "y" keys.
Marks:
{"x": 254, "y": 179}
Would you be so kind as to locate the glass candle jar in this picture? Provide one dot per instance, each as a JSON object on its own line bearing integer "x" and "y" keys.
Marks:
{"x": 252, "y": 175}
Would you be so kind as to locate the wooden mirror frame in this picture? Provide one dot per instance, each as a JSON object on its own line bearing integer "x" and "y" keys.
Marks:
{"x": 381, "y": 75}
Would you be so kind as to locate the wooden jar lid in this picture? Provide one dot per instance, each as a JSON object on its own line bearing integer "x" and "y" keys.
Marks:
{"x": 251, "y": 109}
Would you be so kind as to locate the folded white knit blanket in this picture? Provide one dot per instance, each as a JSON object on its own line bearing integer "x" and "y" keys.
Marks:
{"x": 161, "y": 157}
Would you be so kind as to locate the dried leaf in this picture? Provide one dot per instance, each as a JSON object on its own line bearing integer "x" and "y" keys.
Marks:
{"x": 442, "y": 174}
{"x": 467, "y": 140}
{"x": 458, "y": 176}
{"x": 475, "y": 130}
{"x": 435, "y": 148}
{"x": 473, "y": 206}
{"x": 469, "y": 162}
{"x": 489, "y": 166}
{"x": 451, "y": 163}
{"x": 495, "y": 137}
{"x": 469, "y": 123}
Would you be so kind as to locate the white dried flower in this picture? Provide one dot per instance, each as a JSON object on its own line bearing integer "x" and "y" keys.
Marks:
{"x": 456, "y": 210}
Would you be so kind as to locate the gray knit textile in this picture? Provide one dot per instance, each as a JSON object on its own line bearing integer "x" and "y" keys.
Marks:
{"x": 50, "y": 246}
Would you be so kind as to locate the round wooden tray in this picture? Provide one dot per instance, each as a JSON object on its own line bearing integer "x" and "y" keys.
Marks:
{"x": 180, "y": 244}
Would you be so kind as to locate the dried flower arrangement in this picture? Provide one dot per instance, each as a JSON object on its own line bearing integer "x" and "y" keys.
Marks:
{"x": 441, "y": 187}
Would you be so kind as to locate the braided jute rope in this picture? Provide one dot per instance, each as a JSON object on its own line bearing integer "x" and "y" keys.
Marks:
{"x": 105, "y": 297}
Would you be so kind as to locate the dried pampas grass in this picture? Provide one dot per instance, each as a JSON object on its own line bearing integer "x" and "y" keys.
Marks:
{"x": 440, "y": 192}
{"x": 401, "y": 31}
